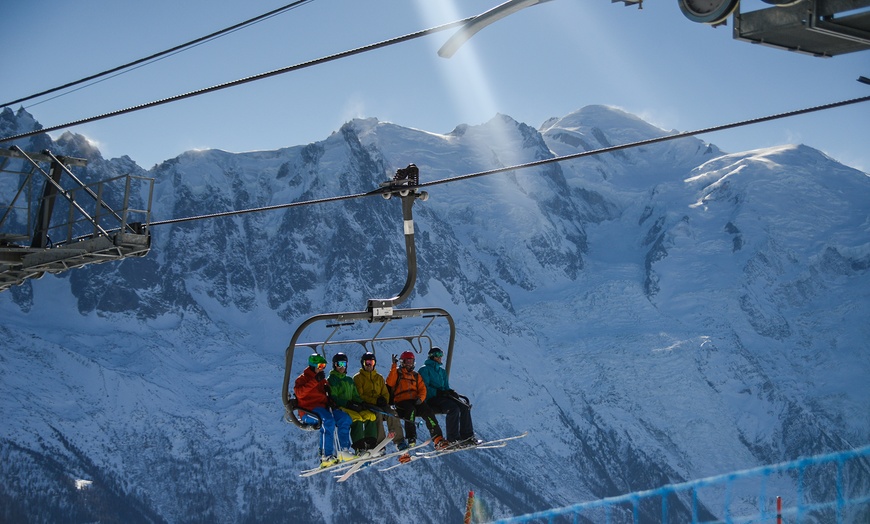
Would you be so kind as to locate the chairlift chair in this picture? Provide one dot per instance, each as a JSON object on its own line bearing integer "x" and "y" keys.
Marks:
{"x": 378, "y": 311}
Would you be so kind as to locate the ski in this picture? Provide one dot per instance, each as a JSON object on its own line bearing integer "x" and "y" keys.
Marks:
{"x": 373, "y": 461}
{"x": 484, "y": 444}
{"x": 450, "y": 450}
{"x": 368, "y": 459}
{"x": 394, "y": 466}
{"x": 341, "y": 466}
{"x": 440, "y": 453}
{"x": 481, "y": 444}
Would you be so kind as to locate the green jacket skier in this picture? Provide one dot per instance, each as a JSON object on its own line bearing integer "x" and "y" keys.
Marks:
{"x": 344, "y": 392}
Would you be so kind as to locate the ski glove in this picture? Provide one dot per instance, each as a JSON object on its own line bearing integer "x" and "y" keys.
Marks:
{"x": 354, "y": 405}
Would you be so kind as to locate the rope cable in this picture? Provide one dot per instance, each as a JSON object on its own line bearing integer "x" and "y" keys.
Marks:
{"x": 535, "y": 163}
{"x": 275, "y": 72}
{"x": 152, "y": 58}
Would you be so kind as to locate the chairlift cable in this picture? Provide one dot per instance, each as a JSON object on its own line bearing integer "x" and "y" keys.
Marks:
{"x": 261, "y": 76}
{"x": 259, "y": 209}
{"x": 648, "y": 141}
{"x": 162, "y": 54}
{"x": 535, "y": 163}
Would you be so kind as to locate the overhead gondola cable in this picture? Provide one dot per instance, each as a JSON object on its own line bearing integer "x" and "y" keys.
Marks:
{"x": 261, "y": 76}
{"x": 536, "y": 163}
{"x": 162, "y": 54}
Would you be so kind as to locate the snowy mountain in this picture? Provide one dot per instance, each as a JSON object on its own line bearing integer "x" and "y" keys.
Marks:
{"x": 652, "y": 315}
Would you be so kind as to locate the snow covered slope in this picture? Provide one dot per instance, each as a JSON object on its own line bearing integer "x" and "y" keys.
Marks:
{"x": 650, "y": 316}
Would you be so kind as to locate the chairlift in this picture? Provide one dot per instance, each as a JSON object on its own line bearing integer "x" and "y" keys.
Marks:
{"x": 378, "y": 311}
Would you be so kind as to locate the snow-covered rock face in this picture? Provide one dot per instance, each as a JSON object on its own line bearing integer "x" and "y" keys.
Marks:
{"x": 652, "y": 315}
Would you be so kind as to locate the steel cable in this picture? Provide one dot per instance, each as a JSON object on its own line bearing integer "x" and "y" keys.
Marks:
{"x": 142, "y": 61}
{"x": 275, "y": 72}
{"x": 536, "y": 163}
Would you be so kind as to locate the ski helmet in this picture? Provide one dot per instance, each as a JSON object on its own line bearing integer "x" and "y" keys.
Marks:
{"x": 316, "y": 359}
{"x": 339, "y": 357}
{"x": 367, "y": 356}
{"x": 435, "y": 352}
{"x": 407, "y": 355}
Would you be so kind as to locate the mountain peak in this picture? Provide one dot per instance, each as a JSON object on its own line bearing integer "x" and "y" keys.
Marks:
{"x": 603, "y": 117}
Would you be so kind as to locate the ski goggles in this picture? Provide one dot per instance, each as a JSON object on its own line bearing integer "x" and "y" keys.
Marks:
{"x": 437, "y": 354}
{"x": 341, "y": 363}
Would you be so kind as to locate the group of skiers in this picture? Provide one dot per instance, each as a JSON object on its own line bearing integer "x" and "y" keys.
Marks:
{"x": 353, "y": 410}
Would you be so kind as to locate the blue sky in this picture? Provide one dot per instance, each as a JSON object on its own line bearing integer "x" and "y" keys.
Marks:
{"x": 545, "y": 61}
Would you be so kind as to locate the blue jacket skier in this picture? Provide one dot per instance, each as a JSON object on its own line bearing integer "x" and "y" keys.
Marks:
{"x": 442, "y": 399}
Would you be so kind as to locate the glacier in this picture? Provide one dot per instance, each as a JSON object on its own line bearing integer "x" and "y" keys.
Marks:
{"x": 651, "y": 315}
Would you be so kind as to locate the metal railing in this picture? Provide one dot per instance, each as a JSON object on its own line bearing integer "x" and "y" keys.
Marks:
{"x": 74, "y": 210}
{"x": 72, "y": 224}
{"x": 89, "y": 214}
{"x": 831, "y": 488}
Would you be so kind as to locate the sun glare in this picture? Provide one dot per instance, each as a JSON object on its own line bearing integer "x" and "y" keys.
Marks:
{"x": 469, "y": 89}
{"x": 603, "y": 67}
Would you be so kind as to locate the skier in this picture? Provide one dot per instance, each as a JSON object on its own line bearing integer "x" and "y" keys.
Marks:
{"x": 312, "y": 394}
{"x": 345, "y": 394}
{"x": 442, "y": 399}
{"x": 373, "y": 390}
{"x": 409, "y": 396}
